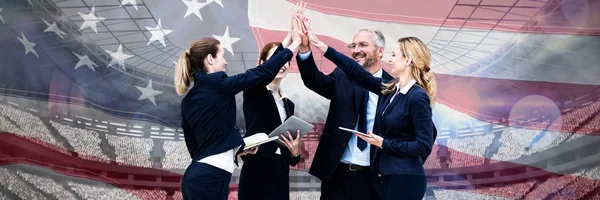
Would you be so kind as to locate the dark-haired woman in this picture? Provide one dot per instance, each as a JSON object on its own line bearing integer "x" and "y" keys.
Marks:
{"x": 208, "y": 112}
{"x": 265, "y": 175}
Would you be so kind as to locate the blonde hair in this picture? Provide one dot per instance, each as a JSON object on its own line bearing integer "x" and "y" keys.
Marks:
{"x": 420, "y": 65}
{"x": 192, "y": 59}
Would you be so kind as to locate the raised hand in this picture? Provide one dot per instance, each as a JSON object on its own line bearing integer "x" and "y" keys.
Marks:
{"x": 293, "y": 13}
{"x": 305, "y": 46}
{"x": 312, "y": 37}
{"x": 296, "y": 34}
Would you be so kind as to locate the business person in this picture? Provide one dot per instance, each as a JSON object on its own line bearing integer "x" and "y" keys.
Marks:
{"x": 208, "y": 112}
{"x": 406, "y": 128}
{"x": 265, "y": 175}
{"x": 342, "y": 161}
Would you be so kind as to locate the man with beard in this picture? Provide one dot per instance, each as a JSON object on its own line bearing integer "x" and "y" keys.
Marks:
{"x": 343, "y": 161}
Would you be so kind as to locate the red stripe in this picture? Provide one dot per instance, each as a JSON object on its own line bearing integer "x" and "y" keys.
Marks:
{"x": 18, "y": 150}
{"x": 505, "y": 102}
{"x": 493, "y": 100}
{"x": 323, "y": 63}
{"x": 517, "y": 16}
{"x": 489, "y": 179}
{"x": 486, "y": 176}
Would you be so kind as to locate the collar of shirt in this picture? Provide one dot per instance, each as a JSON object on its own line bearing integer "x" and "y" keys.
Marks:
{"x": 283, "y": 94}
{"x": 407, "y": 87}
{"x": 379, "y": 73}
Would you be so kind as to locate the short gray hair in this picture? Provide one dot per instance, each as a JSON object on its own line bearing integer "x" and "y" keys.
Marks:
{"x": 378, "y": 36}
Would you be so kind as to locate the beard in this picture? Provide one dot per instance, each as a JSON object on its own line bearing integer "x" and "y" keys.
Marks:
{"x": 369, "y": 60}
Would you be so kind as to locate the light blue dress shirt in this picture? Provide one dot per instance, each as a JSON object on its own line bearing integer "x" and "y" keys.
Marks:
{"x": 353, "y": 155}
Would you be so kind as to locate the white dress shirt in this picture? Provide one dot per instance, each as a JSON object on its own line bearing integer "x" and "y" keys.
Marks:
{"x": 352, "y": 154}
{"x": 280, "y": 108}
{"x": 224, "y": 161}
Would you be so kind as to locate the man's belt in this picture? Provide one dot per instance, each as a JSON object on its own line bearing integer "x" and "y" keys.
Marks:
{"x": 355, "y": 167}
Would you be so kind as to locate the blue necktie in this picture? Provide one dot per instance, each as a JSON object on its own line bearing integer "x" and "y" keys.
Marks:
{"x": 362, "y": 121}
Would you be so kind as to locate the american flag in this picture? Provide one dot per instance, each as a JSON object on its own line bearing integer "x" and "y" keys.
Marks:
{"x": 88, "y": 109}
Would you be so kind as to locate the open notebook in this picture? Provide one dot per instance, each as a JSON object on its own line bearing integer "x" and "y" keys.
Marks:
{"x": 257, "y": 140}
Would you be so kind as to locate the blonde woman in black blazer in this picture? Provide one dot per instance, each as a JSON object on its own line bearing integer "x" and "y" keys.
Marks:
{"x": 406, "y": 127}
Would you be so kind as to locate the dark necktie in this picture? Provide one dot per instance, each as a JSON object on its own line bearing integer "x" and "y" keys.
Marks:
{"x": 362, "y": 120}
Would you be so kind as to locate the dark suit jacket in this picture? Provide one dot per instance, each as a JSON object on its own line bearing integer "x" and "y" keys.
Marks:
{"x": 208, "y": 109}
{"x": 345, "y": 96}
{"x": 405, "y": 124}
{"x": 266, "y": 174}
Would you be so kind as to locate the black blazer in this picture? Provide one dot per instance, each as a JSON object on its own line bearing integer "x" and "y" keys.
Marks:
{"x": 406, "y": 123}
{"x": 261, "y": 116}
{"x": 345, "y": 96}
{"x": 265, "y": 175}
{"x": 208, "y": 109}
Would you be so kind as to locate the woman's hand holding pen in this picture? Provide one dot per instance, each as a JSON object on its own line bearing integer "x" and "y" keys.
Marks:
{"x": 292, "y": 144}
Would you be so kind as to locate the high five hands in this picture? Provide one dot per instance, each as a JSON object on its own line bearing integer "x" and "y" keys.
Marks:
{"x": 294, "y": 37}
{"x": 301, "y": 30}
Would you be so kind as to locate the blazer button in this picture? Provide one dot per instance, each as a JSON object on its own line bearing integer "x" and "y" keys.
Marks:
{"x": 379, "y": 175}
{"x": 344, "y": 144}
{"x": 353, "y": 124}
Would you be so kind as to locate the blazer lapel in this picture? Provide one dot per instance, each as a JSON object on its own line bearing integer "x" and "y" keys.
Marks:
{"x": 386, "y": 77}
{"x": 269, "y": 94}
{"x": 272, "y": 108}
{"x": 289, "y": 108}
{"x": 391, "y": 104}
{"x": 384, "y": 100}
{"x": 358, "y": 92}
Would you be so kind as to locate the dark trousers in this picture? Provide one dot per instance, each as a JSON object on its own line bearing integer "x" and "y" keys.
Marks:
{"x": 206, "y": 182}
{"x": 264, "y": 179}
{"x": 349, "y": 185}
{"x": 404, "y": 186}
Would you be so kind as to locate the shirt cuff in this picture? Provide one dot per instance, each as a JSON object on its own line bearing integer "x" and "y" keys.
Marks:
{"x": 304, "y": 56}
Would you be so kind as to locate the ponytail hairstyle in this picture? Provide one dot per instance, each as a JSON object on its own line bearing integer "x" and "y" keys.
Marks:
{"x": 192, "y": 59}
{"x": 420, "y": 65}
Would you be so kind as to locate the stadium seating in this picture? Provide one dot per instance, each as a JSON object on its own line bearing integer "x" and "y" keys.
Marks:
{"x": 84, "y": 141}
{"x": 176, "y": 155}
{"x": 17, "y": 186}
{"x": 47, "y": 185}
{"x": 131, "y": 151}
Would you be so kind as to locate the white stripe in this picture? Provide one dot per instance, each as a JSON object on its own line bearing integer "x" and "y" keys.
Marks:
{"x": 263, "y": 15}
{"x": 467, "y": 46}
{"x": 314, "y": 108}
{"x": 274, "y": 15}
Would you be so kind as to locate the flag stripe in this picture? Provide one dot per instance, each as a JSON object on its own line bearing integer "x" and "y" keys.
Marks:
{"x": 510, "y": 175}
{"x": 479, "y": 97}
{"x": 509, "y": 102}
{"x": 470, "y": 52}
{"x": 513, "y": 16}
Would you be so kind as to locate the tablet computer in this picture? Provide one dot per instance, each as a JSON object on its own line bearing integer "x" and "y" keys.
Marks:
{"x": 353, "y": 131}
{"x": 292, "y": 124}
